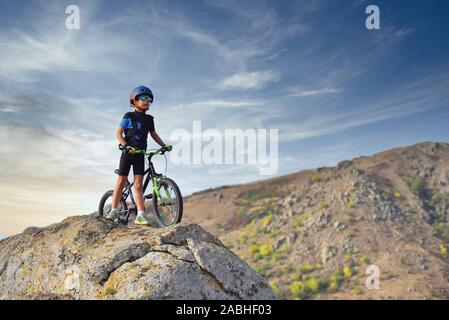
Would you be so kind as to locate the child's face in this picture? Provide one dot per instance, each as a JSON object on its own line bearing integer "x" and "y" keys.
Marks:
{"x": 141, "y": 104}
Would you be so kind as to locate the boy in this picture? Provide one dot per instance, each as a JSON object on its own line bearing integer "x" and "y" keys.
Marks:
{"x": 135, "y": 138}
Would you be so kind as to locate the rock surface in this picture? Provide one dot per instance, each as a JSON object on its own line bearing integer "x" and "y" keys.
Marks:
{"x": 83, "y": 257}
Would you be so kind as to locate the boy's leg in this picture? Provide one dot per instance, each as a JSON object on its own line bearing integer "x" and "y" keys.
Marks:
{"x": 139, "y": 168}
{"x": 113, "y": 214}
{"x": 121, "y": 181}
{"x": 124, "y": 167}
{"x": 138, "y": 191}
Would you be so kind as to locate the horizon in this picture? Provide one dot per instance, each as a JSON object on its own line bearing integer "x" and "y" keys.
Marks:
{"x": 3, "y": 236}
{"x": 333, "y": 89}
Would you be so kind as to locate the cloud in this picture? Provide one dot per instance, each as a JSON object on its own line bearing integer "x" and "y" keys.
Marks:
{"x": 222, "y": 114}
{"x": 418, "y": 96}
{"x": 249, "y": 80}
{"x": 48, "y": 174}
{"x": 308, "y": 93}
{"x": 402, "y": 33}
{"x": 214, "y": 104}
{"x": 389, "y": 37}
{"x": 24, "y": 55}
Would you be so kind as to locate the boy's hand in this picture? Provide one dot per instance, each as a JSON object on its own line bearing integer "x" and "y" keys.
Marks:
{"x": 168, "y": 147}
{"x": 130, "y": 150}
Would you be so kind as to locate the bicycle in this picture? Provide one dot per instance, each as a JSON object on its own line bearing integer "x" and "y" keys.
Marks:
{"x": 166, "y": 204}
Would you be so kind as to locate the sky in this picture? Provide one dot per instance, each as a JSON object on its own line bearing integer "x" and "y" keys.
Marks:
{"x": 311, "y": 69}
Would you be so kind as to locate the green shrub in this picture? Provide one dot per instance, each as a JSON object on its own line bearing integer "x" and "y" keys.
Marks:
{"x": 300, "y": 271}
{"x": 266, "y": 250}
{"x": 253, "y": 248}
{"x": 356, "y": 291}
{"x": 266, "y": 221}
{"x": 275, "y": 232}
{"x": 297, "y": 223}
{"x": 278, "y": 256}
{"x": 347, "y": 271}
{"x": 242, "y": 239}
{"x": 297, "y": 289}
{"x": 441, "y": 230}
{"x": 274, "y": 286}
{"x": 415, "y": 185}
{"x": 314, "y": 179}
{"x": 258, "y": 194}
{"x": 314, "y": 286}
{"x": 306, "y": 268}
{"x": 436, "y": 199}
{"x": 261, "y": 268}
{"x": 296, "y": 277}
{"x": 364, "y": 259}
{"x": 286, "y": 248}
{"x": 257, "y": 256}
{"x": 336, "y": 279}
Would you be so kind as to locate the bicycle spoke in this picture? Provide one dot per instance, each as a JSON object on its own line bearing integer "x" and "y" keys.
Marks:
{"x": 168, "y": 206}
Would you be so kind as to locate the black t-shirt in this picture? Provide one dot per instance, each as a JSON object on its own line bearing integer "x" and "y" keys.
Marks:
{"x": 144, "y": 123}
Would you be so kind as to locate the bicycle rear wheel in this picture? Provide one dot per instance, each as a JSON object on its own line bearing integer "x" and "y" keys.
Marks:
{"x": 106, "y": 204}
{"x": 169, "y": 210}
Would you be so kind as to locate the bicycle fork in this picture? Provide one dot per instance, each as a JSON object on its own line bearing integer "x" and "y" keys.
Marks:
{"x": 158, "y": 194}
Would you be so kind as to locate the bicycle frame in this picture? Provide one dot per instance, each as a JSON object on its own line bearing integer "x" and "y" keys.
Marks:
{"x": 150, "y": 173}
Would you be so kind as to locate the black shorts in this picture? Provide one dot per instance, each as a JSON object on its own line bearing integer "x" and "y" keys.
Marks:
{"x": 127, "y": 160}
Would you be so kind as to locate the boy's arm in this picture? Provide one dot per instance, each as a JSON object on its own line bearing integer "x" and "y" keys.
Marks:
{"x": 119, "y": 135}
{"x": 156, "y": 138}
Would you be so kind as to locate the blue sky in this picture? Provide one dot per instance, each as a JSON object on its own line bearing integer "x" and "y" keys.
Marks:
{"x": 311, "y": 69}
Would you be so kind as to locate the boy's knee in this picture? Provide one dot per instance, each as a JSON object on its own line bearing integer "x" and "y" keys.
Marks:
{"x": 122, "y": 180}
{"x": 138, "y": 185}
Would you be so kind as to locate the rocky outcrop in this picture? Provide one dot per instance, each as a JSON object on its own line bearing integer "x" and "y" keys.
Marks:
{"x": 84, "y": 257}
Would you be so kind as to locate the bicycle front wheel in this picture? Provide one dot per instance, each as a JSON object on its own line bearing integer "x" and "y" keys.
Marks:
{"x": 169, "y": 210}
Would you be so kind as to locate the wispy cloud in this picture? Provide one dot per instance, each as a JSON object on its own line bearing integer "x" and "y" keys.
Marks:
{"x": 24, "y": 54}
{"x": 415, "y": 97}
{"x": 249, "y": 80}
{"x": 220, "y": 104}
{"x": 307, "y": 93}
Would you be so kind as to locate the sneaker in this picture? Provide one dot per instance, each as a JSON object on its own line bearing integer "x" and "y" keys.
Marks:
{"x": 142, "y": 220}
{"x": 112, "y": 215}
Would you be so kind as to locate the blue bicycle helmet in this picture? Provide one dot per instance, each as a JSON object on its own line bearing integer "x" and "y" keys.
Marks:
{"x": 138, "y": 91}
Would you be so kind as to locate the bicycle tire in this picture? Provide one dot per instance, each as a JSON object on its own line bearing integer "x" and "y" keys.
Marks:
{"x": 171, "y": 183}
{"x": 105, "y": 197}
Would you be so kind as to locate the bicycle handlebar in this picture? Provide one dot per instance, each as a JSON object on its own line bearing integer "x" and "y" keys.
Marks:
{"x": 160, "y": 151}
